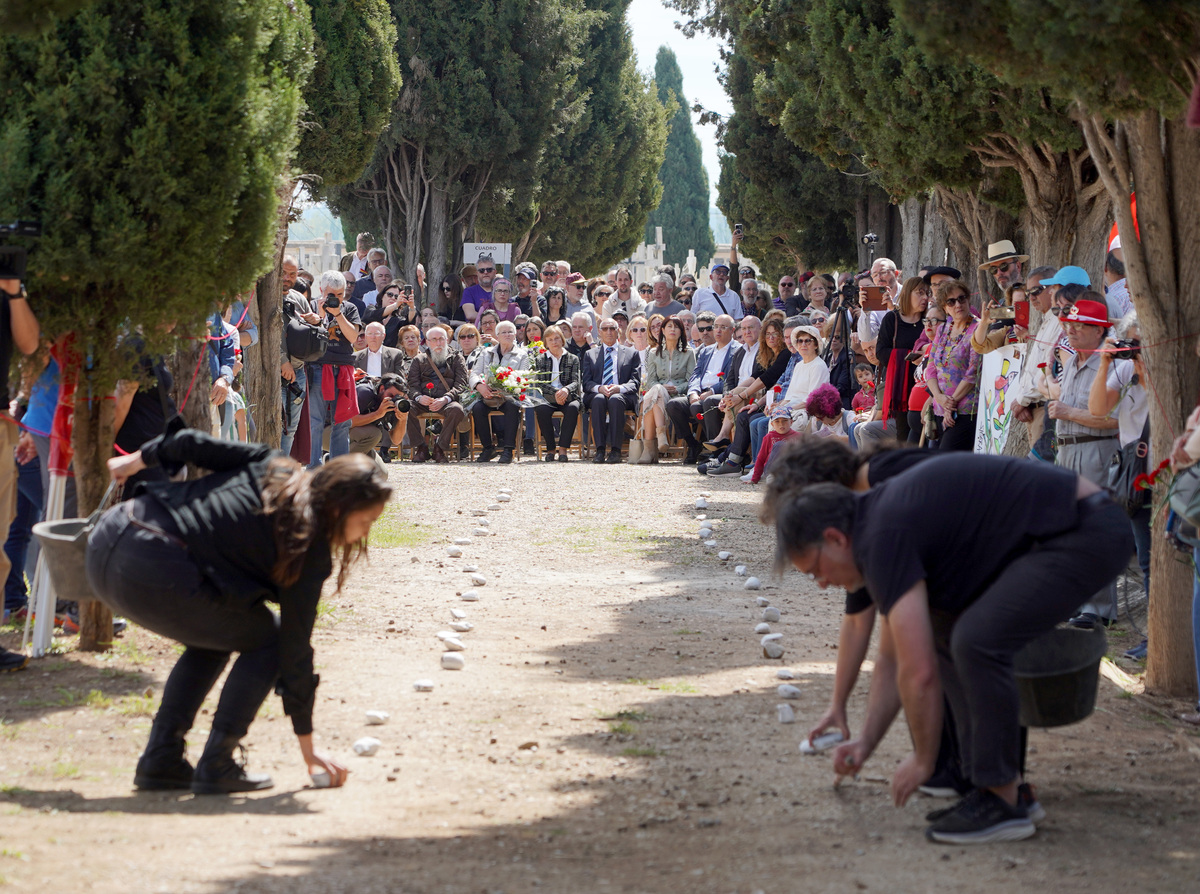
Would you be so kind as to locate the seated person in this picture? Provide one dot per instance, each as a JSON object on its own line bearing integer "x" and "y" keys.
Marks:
{"x": 864, "y": 401}
{"x": 437, "y": 383}
{"x": 505, "y": 353}
{"x": 781, "y": 430}
{"x": 382, "y": 409}
{"x": 612, "y": 375}
{"x": 561, "y": 390}
{"x": 376, "y": 359}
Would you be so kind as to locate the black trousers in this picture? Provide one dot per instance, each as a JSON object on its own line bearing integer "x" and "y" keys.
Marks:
{"x": 1036, "y": 591}
{"x": 508, "y": 425}
{"x": 960, "y": 435}
{"x": 141, "y": 570}
{"x": 682, "y": 414}
{"x": 608, "y": 419}
{"x": 545, "y": 420}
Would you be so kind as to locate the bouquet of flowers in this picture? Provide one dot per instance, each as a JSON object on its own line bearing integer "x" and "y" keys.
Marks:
{"x": 516, "y": 383}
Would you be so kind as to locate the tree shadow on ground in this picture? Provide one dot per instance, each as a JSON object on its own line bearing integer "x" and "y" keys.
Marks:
{"x": 69, "y": 801}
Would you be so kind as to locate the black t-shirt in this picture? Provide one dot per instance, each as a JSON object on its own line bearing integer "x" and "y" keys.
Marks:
{"x": 368, "y": 398}
{"x": 340, "y": 351}
{"x": 145, "y": 419}
{"x": 956, "y": 523}
{"x": 6, "y": 348}
{"x": 775, "y": 371}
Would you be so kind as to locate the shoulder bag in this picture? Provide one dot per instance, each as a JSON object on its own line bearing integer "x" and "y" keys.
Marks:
{"x": 1127, "y": 464}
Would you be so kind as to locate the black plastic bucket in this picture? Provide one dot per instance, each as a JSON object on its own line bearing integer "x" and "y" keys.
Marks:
{"x": 1058, "y": 674}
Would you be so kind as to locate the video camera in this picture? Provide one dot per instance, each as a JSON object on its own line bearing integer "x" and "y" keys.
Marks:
{"x": 13, "y": 257}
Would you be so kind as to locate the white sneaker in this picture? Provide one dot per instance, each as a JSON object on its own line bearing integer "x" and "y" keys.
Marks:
{"x": 747, "y": 478}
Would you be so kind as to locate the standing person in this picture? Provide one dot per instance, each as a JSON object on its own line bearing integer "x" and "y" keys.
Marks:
{"x": 331, "y": 394}
{"x": 561, "y": 385}
{"x": 556, "y": 305}
{"x": 355, "y": 262}
{"x": 500, "y": 301}
{"x": 197, "y": 561}
{"x": 898, "y": 334}
{"x": 817, "y": 291}
{"x": 611, "y": 376}
{"x": 952, "y": 375}
{"x": 474, "y": 296}
{"x": 717, "y": 298}
{"x": 1086, "y": 442}
{"x": 661, "y": 302}
{"x": 581, "y": 335}
{"x": 527, "y": 297}
{"x": 623, "y": 299}
{"x": 1004, "y": 264}
{"x": 577, "y": 301}
{"x": 667, "y": 371}
{"x": 788, "y": 300}
{"x": 1005, "y": 550}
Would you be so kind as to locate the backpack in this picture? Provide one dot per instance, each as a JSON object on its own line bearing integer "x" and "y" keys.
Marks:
{"x": 305, "y": 342}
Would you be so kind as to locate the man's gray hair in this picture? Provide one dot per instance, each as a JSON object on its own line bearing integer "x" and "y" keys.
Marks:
{"x": 332, "y": 280}
{"x": 376, "y": 253}
{"x": 793, "y": 322}
{"x": 1126, "y": 324}
{"x": 506, "y": 324}
{"x": 664, "y": 278}
{"x": 376, "y": 327}
{"x": 1043, "y": 272}
{"x": 581, "y": 317}
{"x": 884, "y": 264}
{"x": 750, "y": 279}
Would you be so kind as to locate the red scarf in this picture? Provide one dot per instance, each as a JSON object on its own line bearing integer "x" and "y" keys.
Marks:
{"x": 896, "y": 370}
{"x": 340, "y": 388}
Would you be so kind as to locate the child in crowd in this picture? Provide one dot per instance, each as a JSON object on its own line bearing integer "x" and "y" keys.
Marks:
{"x": 781, "y": 430}
{"x": 865, "y": 399}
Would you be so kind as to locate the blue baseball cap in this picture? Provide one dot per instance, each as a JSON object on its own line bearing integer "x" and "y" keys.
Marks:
{"x": 1069, "y": 276}
{"x": 718, "y": 266}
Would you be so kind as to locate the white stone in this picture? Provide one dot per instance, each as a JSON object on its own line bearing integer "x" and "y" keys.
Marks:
{"x": 725, "y": 555}
{"x": 710, "y": 543}
{"x": 786, "y": 690}
{"x": 706, "y": 534}
{"x": 479, "y": 512}
{"x": 762, "y": 601}
{"x": 423, "y": 685}
{"x": 446, "y": 634}
{"x": 506, "y": 490}
{"x": 771, "y": 638}
{"x": 453, "y": 645}
{"x": 320, "y": 779}
{"x": 470, "y": 596}
{"x": 377, "y": 718}
{"x": 740, "y": 570}
{"x": 461, "y": 626}
{"x": 366, "y": 746}
{"x": 773, "y": 650}
{"x": 706, "y": 526}
{"x": 484, "y": 522}
{"x": 503, "y": 497}
{"x": 701, "y": 503}
{"x": 821, "y": 743}
{"x": 462, "y": 541}
{"x": 701, "y": 517}
{"x": 752, "y": 583}
{"x": 785, "y": 713}
{"x": 785, "y": 674}
{"x": 495, "y": 507}
{"x": 481, "y": 532}
{"x": 478, "y": 579}
{"x": 454, "y": 552}
{"x": 457, "y": 614}
{"x": 762, "y": 627}
{"x": 453, "y": 661}
{"x": 469, "y": 568}
{"x": 770, "y": 614}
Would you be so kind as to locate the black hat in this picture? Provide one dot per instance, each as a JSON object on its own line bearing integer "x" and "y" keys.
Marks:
{"x": 940, "y": 271}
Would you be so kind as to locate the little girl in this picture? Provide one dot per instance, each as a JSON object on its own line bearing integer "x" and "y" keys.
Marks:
{"x": 781, "y": 430}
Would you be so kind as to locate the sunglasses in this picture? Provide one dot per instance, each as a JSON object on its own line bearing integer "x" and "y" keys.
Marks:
{"x": 549, "y": 273}
{"x": 486, "y": 269}
{"x": 961, "y": 299}
{"x": 645, "y": 291}
{"x": 804, "y": 341}
{"x": 608, "y": 328}
{"x": 461, "y": 337}
{"x": 520, "y": 326}
{"x": 786, "y": 285}
{"x": 1007, "y": 265}
{"x": 705, "y": 328}
{"x": 638, "y": 329}
{"x": 689, "y": 288}
{"x": 447, "y": 289}
{"x": 1033, "y": 293}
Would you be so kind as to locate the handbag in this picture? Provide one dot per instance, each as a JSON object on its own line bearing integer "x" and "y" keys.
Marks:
{"x": 305, "y": 342}
{"x": 1127, "y": 464}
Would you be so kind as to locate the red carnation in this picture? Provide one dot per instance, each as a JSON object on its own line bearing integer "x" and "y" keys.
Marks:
{"x": 720, "y": 375}
{"x": 429, "y": 386}
{"x": 1042, "y": 365}
{"x": 699, "y": 417}
{"x": 1142, "y": 482}
{"x": 778, "y": 389}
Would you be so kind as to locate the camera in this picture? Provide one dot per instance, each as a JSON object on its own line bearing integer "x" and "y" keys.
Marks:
{"x": 13, "y": 257}
{"x": 1127, "y": 349}
{"x": 870, "y": 239}
{"x": 738, "y": 229}
{"x": 295, "y": 392}
{"x": 850, "y": 294}
{"x": 332, "y": 300}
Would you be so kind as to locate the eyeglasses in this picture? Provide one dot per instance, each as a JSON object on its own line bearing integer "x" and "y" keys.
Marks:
{"x": 447, "y": 289}
{"x": 638, "y": 329}
{"x": 705, "y": 328}
{"x": 689, "y": 288}
{"x": 576, "y": 285}
{"x": 1034, "y": 292}
{"x": 805, "y": 341}
{"x": 960, "y": 299}
{"x": 549, "y": 273}
{"x": 500, "y": 291}
{"x": 929, "y": 321}
{"x": 1007, "y": 265}
{"x": 461, "y": 337}
{"x": 645, "y": 291}
{"x": 486, "y": 269}
{"x": 608, "y": 328}
{"x": 520, "y": 326}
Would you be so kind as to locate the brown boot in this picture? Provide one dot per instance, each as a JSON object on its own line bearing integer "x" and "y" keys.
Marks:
{"x": 649, "y": 452}
{"x": 421, "y": 454}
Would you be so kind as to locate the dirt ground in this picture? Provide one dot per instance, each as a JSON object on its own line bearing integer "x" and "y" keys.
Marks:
{"x": 614, "y": 730}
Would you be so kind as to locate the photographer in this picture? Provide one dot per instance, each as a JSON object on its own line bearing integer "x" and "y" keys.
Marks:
{"x": 383, "y": 408}
{"x": 331, "y": 399}
{"x": 293, "y": 379}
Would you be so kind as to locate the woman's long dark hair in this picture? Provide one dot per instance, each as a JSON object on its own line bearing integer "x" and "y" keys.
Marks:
{"x": 307, "y": 508}
{"x": 682, "y": 344}
{"x": 445, "y": 306}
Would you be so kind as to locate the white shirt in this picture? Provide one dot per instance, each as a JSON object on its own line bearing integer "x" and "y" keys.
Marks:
{"x": 707, "y": 299}
{"x": 746, "y": 370}
{"x": 612, "y": 377}
{"x": 555, "y": 381}
{"x": 1133, "y": 406}
{"x": 633, "y": 306}
{"x": 805, "y": 378}
{"x": 716, "y": 363}
{"x": 358, "y": 266}
{"x": 374, "y": 363}
{"x": 371, "y": 298}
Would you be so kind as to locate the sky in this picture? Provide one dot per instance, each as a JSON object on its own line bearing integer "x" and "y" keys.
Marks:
{"x": 653, "y": 25}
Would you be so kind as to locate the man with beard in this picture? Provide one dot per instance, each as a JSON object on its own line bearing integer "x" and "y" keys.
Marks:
{"x": 437, "y": 381}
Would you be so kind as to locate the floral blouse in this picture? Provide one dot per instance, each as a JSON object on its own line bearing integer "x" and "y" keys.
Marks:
{"x": 952, "y": 359}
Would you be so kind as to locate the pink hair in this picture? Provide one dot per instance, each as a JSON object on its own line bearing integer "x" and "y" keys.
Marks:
{"x": 824, "y": 402}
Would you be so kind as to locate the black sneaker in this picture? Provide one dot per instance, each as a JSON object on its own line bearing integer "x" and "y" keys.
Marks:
{"x": 726, "y": 468}
{"x": 599, "y": 457}
{"x": 11, "y": 662}
{"x": 1090, "y": 621}
{"x": 981, "y": 818}
{"x": 506, "y": 455}
{"x": 489, "y": 454}
{"x": 1027, "y": 798}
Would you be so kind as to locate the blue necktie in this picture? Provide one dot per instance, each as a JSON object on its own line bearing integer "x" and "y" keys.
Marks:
{"x": 608, "y": 367}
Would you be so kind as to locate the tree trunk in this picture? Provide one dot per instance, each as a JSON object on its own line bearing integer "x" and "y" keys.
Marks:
{"x": 92, "y": 438}
{"x": 439, "y": 235}
{"x": 1162, "y": 162}
{"x": 912, "y": 221}
{"x": 1067, "y": 213}
{"x": 263, "y": 391}
{"x": 973, "y": 223}
{"x": 935, "y": 236}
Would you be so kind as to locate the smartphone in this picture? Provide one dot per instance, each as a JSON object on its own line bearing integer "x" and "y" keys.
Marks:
{"x": 1021, "y": 314}
{"x": 737, "y": 229}
{"x": 874, "y": 298}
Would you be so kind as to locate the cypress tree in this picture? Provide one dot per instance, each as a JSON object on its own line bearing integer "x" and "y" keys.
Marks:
{"x": 683, "y": 211}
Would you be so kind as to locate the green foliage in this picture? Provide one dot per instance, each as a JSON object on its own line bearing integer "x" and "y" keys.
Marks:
{"x": 26, "y": 17}
{"x": 683, "y": 211}
{"x": 355, "y": 80}
{"x": 1118, "y": 57}
{"x": 149, "y": 136}
{"x": 596, "y": 180}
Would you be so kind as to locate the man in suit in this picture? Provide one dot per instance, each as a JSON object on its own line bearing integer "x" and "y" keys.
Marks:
{"x": 375, "y": 359}
{"x": 612, "y": 374}
{"x": 708, "y": 382}
{"x": 437, "y": 382}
